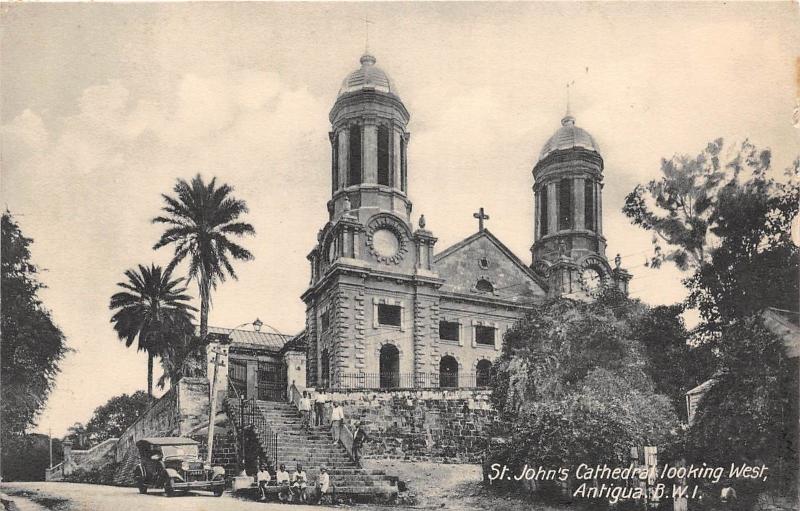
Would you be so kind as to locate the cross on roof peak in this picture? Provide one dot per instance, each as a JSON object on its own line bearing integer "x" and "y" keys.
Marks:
{"x": 481, "y": 216}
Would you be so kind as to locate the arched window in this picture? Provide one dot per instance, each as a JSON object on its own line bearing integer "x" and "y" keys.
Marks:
{"x": 565, "y": 204}
{"x": 383, "y": 156}
{"x": 335, "y": 163}
{"x": 354, "y": 153}
{"x": 325, "y": 366}
{"x": 484, "y": 286}
{"x": 389, "y": 367}
{"x": 448, "y": 372}
{"x": 483, "y": 373}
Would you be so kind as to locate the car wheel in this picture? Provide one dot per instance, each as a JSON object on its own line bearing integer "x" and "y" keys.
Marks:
{"x": 142, "y": 487}
{"x": 218, "y": 491}
{"x": 169, "y": 489}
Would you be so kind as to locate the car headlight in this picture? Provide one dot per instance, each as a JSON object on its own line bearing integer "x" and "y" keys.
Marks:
{"x": 207, "y": 466}
{"x": 185, "y": 465}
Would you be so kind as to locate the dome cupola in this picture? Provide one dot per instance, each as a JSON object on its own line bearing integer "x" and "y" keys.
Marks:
{"x": 368, "y": 146}
{"x": 568, "y": 136}
{"x": 568, "y": 184}
{"x": 368, "y": 77}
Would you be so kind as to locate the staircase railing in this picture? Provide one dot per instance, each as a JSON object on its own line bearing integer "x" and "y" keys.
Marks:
{"x": 252, "y": 416}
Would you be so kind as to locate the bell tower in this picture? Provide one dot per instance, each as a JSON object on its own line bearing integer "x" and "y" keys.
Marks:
{"x": 371, "y": 269}
{"x": 569, "y": 248}
{"x": 368, "y": 146}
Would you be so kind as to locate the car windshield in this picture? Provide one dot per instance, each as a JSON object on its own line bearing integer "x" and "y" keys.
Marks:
{"x": 170, "y": 451}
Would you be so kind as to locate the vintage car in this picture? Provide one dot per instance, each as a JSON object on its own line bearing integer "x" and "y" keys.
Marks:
{"x": 173, "y": 463}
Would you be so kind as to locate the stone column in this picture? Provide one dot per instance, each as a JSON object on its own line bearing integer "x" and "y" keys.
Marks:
{"x": 578, "y": 204}
{"x": 600, "y": 208}
{"x": 395, "y": 169}
{"x": 69, "y": 463}
{"x": 311, "y": 349}
{"x": 552, "y": 208}
{"x": 426, "y": 311}
{"x": 295, "y": 363}
{"x": 344, "y": 157}
{"x": 537, "y": 223}
{"x": 369, "y": 151}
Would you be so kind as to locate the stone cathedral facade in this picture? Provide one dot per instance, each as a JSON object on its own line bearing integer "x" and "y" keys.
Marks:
{"x": 385, "y": 307}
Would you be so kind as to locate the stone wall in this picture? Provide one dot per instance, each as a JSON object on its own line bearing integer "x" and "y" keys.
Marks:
{"x": 224, "y": 453}
{"x": 446, "y": 426}
{"x": 97, "y": 456}
{"x": 183, "y": 409}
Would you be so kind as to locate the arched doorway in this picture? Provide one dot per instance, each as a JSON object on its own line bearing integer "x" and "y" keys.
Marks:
{"x": 389, "y": 367}
{"x": 483, "y": 373}
{"x": 448, "y": 372}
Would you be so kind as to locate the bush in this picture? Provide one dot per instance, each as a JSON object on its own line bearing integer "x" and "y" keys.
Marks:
{"x": 101, "y": 475}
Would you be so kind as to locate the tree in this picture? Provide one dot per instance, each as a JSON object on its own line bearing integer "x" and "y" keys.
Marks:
{"x": 25, "y": 457}
{"x": 33, "y": 346}
{"x": 674, "y": 365}
{"x": 79, "y": 436}
{"x": 114, "y": 417}
{"x": 749, "y": 415}
{"x": 572, "y": 386}
{"x": 201, "y": 219}
{"x": 727, "y": 220}
{"x": 153, "y": 309}
{"x": 183, "y": 357}
{"x": 722, "y": 216}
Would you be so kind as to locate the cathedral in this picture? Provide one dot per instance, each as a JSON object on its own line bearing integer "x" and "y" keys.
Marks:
{"x": 387, "y": 308}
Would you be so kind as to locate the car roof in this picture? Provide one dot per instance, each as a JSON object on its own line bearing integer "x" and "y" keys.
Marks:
{"x": 166, "y": 440}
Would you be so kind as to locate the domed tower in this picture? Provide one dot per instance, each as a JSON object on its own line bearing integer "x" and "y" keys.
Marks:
{"x": 569, "y": 247}
{"x": 370, "y": 267}
{"x": 368, "y": 145}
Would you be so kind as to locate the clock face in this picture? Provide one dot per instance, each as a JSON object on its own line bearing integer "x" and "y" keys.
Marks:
{"x": 591, "y": 280}
{"x": 385, "y": 243}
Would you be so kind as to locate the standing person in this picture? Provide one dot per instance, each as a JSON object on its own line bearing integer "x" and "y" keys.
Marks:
{"x": 263, "y": 478}
{"x": 305, "y": 408}
{"x": 359, "y": 435}
{"x": 337, "y": 418}
{"x": 323, "y": 484}
{"x": 319, "y": 408}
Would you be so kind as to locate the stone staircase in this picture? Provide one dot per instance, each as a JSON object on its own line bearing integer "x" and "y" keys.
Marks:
{"x": 314, "y": 448}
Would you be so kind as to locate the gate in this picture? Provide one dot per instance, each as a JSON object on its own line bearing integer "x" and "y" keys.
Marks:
{"x": 271, "y": 380}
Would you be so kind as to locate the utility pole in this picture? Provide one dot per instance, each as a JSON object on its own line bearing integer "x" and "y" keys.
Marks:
{"x": 50, "y": 434}
{"x": 212, "y": 413}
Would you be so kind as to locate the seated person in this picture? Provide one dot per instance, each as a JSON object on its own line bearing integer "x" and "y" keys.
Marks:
{"x": 282, "y": 478}
{"x": 300, "y": 482}
{"x": 262, "y": 478}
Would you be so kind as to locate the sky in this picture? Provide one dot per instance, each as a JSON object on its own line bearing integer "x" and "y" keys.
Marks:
{"x": 104, "y": 106}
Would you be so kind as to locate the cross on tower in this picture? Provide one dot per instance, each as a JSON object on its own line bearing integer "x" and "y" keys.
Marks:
{"x": 481, "y": 216}
{"x": 366, "y": 33}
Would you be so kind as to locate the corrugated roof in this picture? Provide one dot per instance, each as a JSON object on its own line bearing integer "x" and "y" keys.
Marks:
{"x": 249, "y": 338}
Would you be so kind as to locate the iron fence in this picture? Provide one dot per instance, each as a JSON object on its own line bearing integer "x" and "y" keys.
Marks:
{"x": 409, "y": 380}
{"x": 254, "y": 421}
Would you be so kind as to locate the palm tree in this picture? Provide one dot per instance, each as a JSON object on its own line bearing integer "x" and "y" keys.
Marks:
{"x": 202, "y": 218}
{"x": 184, "y": 357}
{"x": 154, "y": 309}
